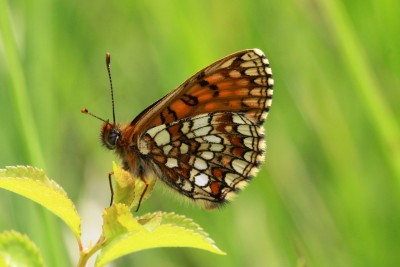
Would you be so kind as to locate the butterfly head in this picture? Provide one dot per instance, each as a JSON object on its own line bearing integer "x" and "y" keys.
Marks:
{"x": 110, "y": 135}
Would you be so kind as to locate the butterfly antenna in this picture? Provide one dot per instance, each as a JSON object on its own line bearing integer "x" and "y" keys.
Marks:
{"x": 85, "y": 111}
{"x": 108, "y": 61}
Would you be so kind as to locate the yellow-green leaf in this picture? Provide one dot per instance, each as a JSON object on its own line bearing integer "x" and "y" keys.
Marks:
{"x": 18, "y": 250}
{"x": 118, "y": 220}
{"x": 124, "y": 190}
{"x": 184, "y": 222}
{"x": 33, "y": 183}
{"x": 151, "y": 221}
{"x": 129, "y": 190}
{"x": 174, "y": 231}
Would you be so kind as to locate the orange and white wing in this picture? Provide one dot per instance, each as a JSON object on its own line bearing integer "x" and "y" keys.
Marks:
{"x": 240, "y": 82}
{"x": 205, "y": 139}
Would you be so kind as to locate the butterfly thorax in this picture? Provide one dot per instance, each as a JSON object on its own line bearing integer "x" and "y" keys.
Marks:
{"x": 121, "y": 140}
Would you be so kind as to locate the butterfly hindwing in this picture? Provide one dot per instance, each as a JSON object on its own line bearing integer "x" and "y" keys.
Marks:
{"x": 207, "y": 157}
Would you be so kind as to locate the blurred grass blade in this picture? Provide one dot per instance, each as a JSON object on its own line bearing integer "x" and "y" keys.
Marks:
{"x": 384, "y": 120}
{"x": 29, "y": 143}
{"x": 19, "y": 90}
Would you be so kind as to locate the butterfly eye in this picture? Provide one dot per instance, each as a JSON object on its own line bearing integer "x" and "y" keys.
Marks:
{"x": 110, "y": 135}
{"x": 113, "y": 137}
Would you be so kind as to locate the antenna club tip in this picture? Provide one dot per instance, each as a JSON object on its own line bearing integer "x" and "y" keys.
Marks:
{"x": 84, "y": 110}
{"x": 108, "y": 59}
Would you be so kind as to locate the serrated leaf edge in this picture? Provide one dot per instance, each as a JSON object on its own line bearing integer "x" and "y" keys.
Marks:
{"x": 51, "y": 184}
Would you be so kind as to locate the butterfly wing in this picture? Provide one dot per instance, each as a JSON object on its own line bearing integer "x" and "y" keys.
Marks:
{"x": 239, "y": 82}
{"x": 205, "y": 139}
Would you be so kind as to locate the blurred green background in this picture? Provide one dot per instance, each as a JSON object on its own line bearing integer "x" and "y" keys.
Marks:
{"x": 329, "y": 193}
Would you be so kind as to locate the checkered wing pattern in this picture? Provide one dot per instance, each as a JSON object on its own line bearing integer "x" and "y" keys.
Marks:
{"x": 205, "y": 139}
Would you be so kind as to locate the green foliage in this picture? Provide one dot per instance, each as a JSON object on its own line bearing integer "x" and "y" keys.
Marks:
{"x": 124, "y": 186}
{"x": 122, "y": 234}
{"x": 33, "y": 183}
{"x": 329, "y": 192}
{"x": 18, "y": 250}
{"x": 129, "y": 189}
{"x": 125, "y": 234}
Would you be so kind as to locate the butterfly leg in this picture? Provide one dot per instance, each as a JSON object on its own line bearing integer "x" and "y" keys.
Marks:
{"x": 144, "y": 191}
{"x": 111, "y": 187}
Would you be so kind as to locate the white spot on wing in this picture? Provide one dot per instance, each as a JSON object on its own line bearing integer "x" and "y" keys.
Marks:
{"x": 212, "y": 138}
{"x": 268, "y": 102}
{"x": 237, "y": 119}
{"x": 167, "y": 149}
{"x": 184, "y": 148}
{"x": 193, "y": 173}
{"x": 262, "y": 145}
{"x": 143, "y": 148}
{"x": 248, "y": 155}
{"x": 200, "y": 164}
{"x": 252, "y": 71}
{"x": 264, "y": 116}
{"x": 216, "y": 147}
{"x": 248, "y": 64}
{"x": 231, "y": 177}
{"x": 260, "y": 81}
{"x": 163, "y": 137}
{"x": 260, "y": 130}
{"x": 250, "y": 55}
{"x": 228, "y": 63}
{"x": 207, "y": 155}
{"x": 270, "y": 81}
{"x": 199, "y": 122}
{"x": 153, "y": 131}
{"x": 185, "y": 127}
{"x": 201, "y": 179}
{"x": 258, "y": 52}
{"x": 239, "y": 165}
{"x": 248, "y": 142}
{"x": 257, "y": 91}
{"x": 202, "y": 131}
{"x": 186, "y": 185}
{"x": 260, "y": 157}
{"x": 245, "y": 130}
{"x": 171, "y": 163}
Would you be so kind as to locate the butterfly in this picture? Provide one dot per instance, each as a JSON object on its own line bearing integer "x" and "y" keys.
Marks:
{"x": 205, "y": 139}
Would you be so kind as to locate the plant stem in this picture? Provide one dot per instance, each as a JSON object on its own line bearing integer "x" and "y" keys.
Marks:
{"x": 85, "y": 254}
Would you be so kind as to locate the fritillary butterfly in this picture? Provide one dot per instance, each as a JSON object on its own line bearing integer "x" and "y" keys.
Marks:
{"x": 205, "y": 139}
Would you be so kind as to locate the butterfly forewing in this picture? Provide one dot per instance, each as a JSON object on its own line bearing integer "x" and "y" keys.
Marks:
{"x": 205, "y": 139}
{"x": 239, "y": 82}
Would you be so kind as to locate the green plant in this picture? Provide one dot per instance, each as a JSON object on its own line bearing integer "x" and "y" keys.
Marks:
{"x": 122, "y": 233}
